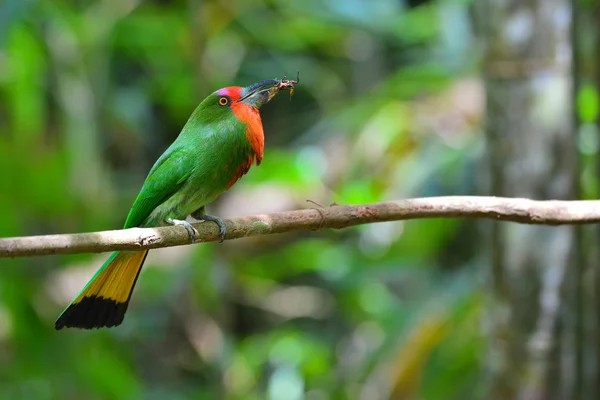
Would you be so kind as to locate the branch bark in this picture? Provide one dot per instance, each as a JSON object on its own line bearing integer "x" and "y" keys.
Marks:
{"x": 548, "y": 212}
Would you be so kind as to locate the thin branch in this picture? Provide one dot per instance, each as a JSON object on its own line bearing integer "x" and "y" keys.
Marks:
{"x": 550, "y": 212}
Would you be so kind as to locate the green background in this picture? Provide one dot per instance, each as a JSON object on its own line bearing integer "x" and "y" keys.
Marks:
{"x": 390, "y": 106}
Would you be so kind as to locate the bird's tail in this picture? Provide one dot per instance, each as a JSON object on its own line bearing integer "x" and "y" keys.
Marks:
{"x": 103, "y": 301}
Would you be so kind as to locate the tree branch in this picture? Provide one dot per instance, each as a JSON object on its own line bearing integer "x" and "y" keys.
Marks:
{"x": 550, "y": 212}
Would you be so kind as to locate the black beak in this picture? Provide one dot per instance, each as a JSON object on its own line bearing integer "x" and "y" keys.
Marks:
{"x": 259, "y": 93}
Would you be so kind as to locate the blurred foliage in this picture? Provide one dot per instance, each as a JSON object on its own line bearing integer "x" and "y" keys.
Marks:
{"x": 92, "y": 92}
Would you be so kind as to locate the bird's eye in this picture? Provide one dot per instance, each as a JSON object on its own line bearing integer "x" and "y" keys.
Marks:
{"x": 223, "y": 101}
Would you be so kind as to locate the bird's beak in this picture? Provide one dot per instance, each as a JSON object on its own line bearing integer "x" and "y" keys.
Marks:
{"x": 260, "y": 93}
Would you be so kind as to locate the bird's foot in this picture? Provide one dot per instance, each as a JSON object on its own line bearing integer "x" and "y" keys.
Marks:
{"x": 199, "y": 215}
{"x": 188, "y": 227}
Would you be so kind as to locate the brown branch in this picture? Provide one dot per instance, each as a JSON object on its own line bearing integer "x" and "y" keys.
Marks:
{"x": 526, "y": 211}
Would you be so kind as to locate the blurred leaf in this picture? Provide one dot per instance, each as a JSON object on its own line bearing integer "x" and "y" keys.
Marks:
{"x": 91, "y": 93}
{"x": 587, "y": 103}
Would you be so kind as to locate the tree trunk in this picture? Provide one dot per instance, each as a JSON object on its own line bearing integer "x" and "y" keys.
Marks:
{"x": 531, "y": 153}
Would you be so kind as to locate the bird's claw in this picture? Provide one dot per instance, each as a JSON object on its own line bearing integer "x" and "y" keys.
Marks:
{"x": 222, "y": 231}
{"x": 220, "y": 224}
{"x": 188, "y": 227}
{"x": 216, "y": 220}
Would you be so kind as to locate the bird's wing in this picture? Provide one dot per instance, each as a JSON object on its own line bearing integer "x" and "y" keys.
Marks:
{"x": 164, "y": 179}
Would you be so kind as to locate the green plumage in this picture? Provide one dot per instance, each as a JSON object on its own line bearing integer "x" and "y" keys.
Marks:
{"x": 216, "y": 147}
{"x": 195, "y": 169}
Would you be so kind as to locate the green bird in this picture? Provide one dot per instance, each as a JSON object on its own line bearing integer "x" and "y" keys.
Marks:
{"x": 219, "y": 143}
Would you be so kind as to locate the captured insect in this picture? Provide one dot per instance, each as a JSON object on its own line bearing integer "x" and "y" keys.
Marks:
{"x": 284, "y": 84}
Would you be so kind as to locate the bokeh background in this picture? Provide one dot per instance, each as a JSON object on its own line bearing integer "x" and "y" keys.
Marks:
{"x": 398, "y": 99}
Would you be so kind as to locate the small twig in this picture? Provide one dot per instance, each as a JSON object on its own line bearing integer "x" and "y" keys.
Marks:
{"x": 526, "y": 211}
{"x": 315, "y": 203}
{"x": 320, "y": 210}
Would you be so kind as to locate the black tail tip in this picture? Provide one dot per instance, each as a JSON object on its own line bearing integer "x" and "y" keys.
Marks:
{"x": 92, "y": 312}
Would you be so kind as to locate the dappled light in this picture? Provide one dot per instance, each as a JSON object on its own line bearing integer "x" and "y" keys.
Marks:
{"x": 411, "y": 114}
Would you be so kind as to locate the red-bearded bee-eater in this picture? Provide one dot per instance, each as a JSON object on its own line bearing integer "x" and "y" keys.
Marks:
{"x": 216, "y": 147}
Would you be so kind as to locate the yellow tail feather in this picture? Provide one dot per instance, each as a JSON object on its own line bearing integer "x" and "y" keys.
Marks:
{"x": 103, "y": 301}
{"x": 116, "y": 280}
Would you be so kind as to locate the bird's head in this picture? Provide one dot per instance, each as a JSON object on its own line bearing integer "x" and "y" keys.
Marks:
{"x": 241, "y": 102}
{"x": 236, "y": 104}
{"x": 236, "y": 98}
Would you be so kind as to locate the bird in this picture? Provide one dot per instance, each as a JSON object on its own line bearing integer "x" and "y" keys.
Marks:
{"x": 219, "y": 143}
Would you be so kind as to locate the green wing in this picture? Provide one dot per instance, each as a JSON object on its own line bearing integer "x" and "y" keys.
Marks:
{"x": 167, "y": 175}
